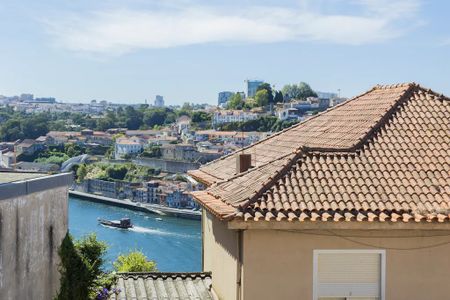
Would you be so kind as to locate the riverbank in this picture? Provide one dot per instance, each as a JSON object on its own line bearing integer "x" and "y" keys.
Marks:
{"x": 175, "y": 244}
{"x": 144, "y": 207}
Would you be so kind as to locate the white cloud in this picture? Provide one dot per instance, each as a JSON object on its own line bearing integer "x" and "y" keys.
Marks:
{"x": 118, "y": 31}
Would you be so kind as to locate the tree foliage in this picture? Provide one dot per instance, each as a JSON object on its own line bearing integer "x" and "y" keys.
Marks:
{"x": 81, "y": 173}
{"x": 80, "y": 266}
{"x": 119, "y": 172}
{"x": 266, "y": 87}
{"x": 235, "y": 102}
{"x": 200, "y": 117}
{"x": 262, "y": 98}
{"x": 300, "y": 91}
{"x": 134, "y": 261}
{"x": 152, "y": 151}
{"x": 263, "y": 124}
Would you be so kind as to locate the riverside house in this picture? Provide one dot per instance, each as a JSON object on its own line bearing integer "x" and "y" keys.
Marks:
{"x": 353, "y": 203}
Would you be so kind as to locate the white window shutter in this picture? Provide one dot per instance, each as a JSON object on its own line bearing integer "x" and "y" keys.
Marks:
{"x": 349, "y": 275}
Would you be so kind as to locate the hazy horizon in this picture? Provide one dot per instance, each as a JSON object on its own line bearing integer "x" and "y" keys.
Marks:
{"x": 189, "y": 50}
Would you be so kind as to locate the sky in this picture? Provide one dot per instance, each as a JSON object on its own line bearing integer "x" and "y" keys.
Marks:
{"x": 189, "y": 50}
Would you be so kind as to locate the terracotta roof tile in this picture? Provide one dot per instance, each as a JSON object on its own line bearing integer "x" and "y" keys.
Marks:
{"x": 381, "y": 156}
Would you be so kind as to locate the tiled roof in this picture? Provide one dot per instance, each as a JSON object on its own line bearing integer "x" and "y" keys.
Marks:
{"x": 27, "y": 143}
{"x": 384, "y": 155}
{"x": 140, "y": 286}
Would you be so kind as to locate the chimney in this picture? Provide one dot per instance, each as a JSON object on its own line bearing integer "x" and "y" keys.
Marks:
{"x": 243, "y": 162}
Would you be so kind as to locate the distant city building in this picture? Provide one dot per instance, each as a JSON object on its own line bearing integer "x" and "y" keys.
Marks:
{"x": 127, "y": 146}
{"x": 224, "y": 97}
{"x": 26, "y": 97}
{"x": 251, "y": 86}
{"x": 50, "y": 100}
{"x": 336, "y": 101}
{"x": 230, "y": 116}
{"x": 326, "y": 95}
{"x": 159, "y": 101}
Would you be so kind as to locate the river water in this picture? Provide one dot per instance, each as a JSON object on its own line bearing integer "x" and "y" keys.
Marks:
{"x": 173, "y": 243}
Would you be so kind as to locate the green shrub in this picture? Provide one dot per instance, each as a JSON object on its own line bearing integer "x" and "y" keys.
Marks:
{"x": 134, "y": 261}
{"x": 80, "y": 267}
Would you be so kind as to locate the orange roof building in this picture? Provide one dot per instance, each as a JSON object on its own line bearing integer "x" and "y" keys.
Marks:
{"x": 353, "y": 202}
{"x": 381, "y": 156}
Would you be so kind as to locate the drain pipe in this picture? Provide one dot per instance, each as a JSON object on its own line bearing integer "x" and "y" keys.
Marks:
{"x": 240, "y": 250}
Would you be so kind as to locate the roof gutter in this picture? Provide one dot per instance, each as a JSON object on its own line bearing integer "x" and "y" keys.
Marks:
{"x": 238, "y": 223}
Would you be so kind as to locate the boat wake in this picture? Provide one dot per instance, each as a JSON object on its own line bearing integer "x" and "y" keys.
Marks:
{"x": 139, "y": 229}
{"x": 145, "y": 230}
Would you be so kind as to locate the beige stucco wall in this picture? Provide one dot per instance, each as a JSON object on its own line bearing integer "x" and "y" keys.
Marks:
{"x": 279, "y": 264}
{"x": 220, "y": 256}
{"x": 32, "y": 227}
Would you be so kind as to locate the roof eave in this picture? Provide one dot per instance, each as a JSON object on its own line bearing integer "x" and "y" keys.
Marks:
{"x": 238, "y": 223}
{"x": 225, "y": 214}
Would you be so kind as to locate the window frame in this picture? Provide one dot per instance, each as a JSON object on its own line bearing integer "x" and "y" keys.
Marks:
{"x": 382, "y": 252}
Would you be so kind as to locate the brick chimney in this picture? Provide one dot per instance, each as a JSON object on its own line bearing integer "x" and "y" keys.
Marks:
{"x": 243, "y": 162}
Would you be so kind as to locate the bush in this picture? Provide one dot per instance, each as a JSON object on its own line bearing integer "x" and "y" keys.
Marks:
{"x": 134, "y": 261}
{"x": 80, "y": 267}
{"x": 152, "y": 151}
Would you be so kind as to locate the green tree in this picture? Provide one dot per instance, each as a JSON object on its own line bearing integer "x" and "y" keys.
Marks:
{"x": 104, "y": 124}
{"x": 80, "y": 266}
{"x": 134, "y": 261}
{"x": 133, "y": 118}
{"x": 278, "y": 97}
{"x": 152, "y": 151}
{"x": 92, "y": 251}
{"x": 300, "y": 91}
{"x": 262, "y": 98}
{"x": 200, "y": 117}
{"x": 154, "y": 117}
{"x": 235, "y": 102}
{"x": 81, "y": 172}
{"x": 35, "y": 126}
{"x": 306, "y": 91}
{"x": 266, "y": 86}
{"x": 11, "y": 131}
{"x": 117, "y": 172}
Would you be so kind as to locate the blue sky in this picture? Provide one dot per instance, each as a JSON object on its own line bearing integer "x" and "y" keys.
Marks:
{"x": 189, "y": 50}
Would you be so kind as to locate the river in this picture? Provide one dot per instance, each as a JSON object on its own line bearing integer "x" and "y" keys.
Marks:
{"x": 173, "y": 243}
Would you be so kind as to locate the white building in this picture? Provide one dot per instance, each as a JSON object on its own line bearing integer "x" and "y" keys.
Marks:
{"x": 289, "y": 113}
{"x": 7, "y": 159}
{"x": 230, "y": 116}
{"x": 127, "y": 146}
{"x": 183, "y": 124}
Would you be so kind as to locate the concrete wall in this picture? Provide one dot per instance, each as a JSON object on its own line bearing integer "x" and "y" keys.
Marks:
{"x": 220, "y": 256}
{"x": 170, "y": 166}
{"x": 279, "y": 264}
{"x": 32, "y": 226}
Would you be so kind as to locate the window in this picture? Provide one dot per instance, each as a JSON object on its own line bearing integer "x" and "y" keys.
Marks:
{"x": 349, "y": 274}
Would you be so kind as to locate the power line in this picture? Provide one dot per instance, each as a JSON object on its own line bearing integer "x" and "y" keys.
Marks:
{"x": 350, "y": 239}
